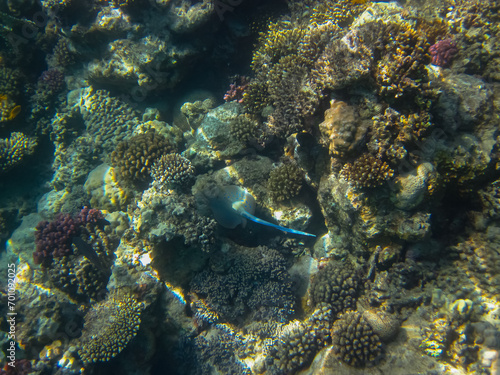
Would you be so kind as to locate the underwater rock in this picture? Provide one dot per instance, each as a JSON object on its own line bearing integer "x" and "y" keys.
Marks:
{"x": 212, "y": 143}
{"x": 463, "y": 101}
{"x": 413, "y": 186}
{"x": 343, "y": 130}
{"x": 105, "y": 190}
{"x": 22, "y": 241}
{"x": 186, "y": 17}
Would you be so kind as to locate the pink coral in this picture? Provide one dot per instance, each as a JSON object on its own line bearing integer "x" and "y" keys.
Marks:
{"x": 236, "y": 91}
{"x": 443, "y": 52}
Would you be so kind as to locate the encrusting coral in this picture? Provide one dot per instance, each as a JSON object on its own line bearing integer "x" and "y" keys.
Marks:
{"x": 109, "y": 326}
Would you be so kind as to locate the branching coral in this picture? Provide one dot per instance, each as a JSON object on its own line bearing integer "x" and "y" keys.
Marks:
{"x": 403, "y": 54}
{"x": 392, "y": 133}
{"x": 247, "y": 280}
{"x": 14, "y": 150}
{"x": 285, "y": 182}
{"x": 134, "y": 158}
{"x": 367, "y": 171}
{"x": 172, "y": 170}
{"x": 109, "y": 327}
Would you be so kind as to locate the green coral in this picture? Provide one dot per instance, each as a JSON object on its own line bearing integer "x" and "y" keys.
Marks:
{"x": 285, "y": 182}
{"x": 134, "y": 158}
{"x": 109, "y": 327}
{"x": 14, "y": 150}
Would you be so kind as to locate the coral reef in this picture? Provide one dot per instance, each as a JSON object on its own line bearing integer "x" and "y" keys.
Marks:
{"x": 336, "y": 284}
{"x": 133, "y": 159}
{"x": 247, "y": 281}
{"x": 354, "y": 340}
{"x": 109, "y": 327}
{"x": 14, "y": 150}
{"x": 367, "y": 172}
{"x": 285, "y": 182}
{"x": 172, "y": 170}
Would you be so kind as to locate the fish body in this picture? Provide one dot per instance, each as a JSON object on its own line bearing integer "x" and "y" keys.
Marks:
{"x": 235, "y": 205}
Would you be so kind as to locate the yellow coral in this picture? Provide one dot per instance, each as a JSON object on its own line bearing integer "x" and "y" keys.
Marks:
{"x": 14, "y": 149}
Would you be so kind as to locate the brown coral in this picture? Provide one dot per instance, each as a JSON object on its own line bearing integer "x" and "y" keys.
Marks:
{"x": 134, "y": 158}
{"x": 285, "y": 182}
{"x": 367, "y": 172}
{"x": 354, "y": 340}
{"x": 403, "y": 54}
{"x": 172, "y": 169}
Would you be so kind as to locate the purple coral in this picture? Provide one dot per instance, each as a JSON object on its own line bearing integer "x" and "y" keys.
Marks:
{"x": 90, "y": 216}
{"x": 53, "y": 239}
{"x": 443, "y": 52}
{"x": 236, "y": 91}
{"x": 52, "y": 80}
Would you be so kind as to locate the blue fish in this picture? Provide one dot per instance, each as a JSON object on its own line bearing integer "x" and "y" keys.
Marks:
{"x": 234, "y": 206}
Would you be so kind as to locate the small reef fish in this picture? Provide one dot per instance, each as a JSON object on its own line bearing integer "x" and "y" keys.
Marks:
{"x": 234, "y": 205}
{"x": 4, "y": 104}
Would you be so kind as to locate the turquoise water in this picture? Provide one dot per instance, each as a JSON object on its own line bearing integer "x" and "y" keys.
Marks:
{"x": 360, "y": 139}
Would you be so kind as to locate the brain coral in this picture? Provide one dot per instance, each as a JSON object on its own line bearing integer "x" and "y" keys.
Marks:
{"x": 109, "y": 327}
